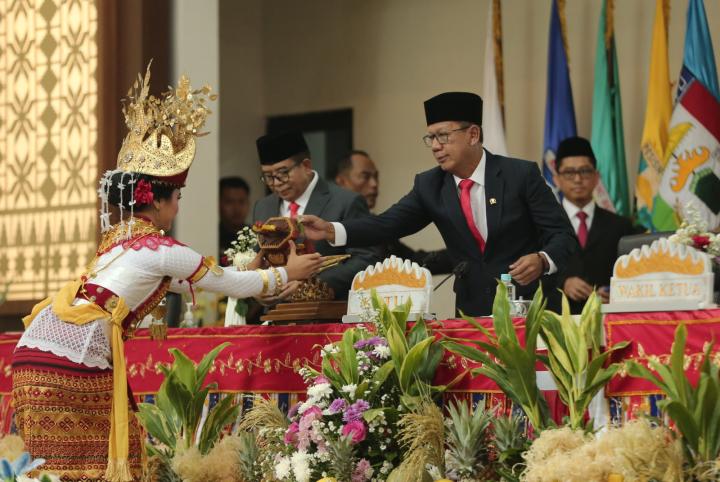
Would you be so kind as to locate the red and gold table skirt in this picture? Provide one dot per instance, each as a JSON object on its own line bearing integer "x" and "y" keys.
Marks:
{"x": 266, "y": 359}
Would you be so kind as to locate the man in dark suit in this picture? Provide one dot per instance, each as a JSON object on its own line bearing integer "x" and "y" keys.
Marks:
{"x": 598, "y": 230}
{"x": 297, "y": 189}
{"x": 357, "y": 172}
{"x": 495, "y": 213}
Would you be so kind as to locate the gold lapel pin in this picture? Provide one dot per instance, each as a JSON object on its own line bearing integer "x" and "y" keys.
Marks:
{"x": 493, "y": 201}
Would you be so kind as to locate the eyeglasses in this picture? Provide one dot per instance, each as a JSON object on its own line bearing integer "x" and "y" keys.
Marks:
{"x": 281, "y": 175}
{"x": 569, "y": 174}
{"x": 442, "y": 137}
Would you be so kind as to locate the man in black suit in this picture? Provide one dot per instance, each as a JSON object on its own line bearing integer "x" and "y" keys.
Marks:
{"x": 598, "y": 230}
{"x": 297, "y": 189}
{"x": 493, "y": 212}
{"x": 234, "y": 207}
{"x": 357, "y": 172}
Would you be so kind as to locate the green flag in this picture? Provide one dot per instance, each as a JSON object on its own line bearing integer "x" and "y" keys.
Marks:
{"x": 607, "y": 139}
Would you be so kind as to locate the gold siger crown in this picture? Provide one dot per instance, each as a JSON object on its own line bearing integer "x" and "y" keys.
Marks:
{"x": 161, "y": 137}
{"x": 662, "y": 256}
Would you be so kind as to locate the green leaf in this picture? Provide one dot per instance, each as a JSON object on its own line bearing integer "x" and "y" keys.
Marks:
{"x": 154, "y": 421}
{"x": 222, "y": 414}
{"x": 380, "y": 376}
{"x": 370, "y": 415}
{"x": 412, "y": 361}
{"x": 206, "y": 363}
{"x": 183, "y": 369}
{"x": 348, "y": 358}
{"x": 684, "y": 421}
{"x": 677, "y": 370}
{"x": 241, "y": 307}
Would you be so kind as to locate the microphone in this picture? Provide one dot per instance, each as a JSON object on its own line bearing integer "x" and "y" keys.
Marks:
{"x": 458, "y": 271}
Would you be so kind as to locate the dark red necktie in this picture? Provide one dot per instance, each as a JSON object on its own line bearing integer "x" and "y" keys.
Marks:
{"x": 465, "y": 186}
{"x": 582, "y": 232}
{"x": 294, "y": 209}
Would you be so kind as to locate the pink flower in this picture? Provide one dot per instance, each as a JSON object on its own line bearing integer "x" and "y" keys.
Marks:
{"x": 291, "y": 434}
{"x": 363, "y": 471}
{"x": 311, "y": 414}
{"x": 320, "y": 379}
{"x": 355, "y": 428}
{"x": 143, "y": 192}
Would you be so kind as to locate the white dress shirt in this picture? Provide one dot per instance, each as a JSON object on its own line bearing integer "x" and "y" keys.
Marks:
{"x": 572, "y": 211}
{"x": 477, "y": 202}
{"x": 302, "y": 201}
{"x": 477, "y": 196}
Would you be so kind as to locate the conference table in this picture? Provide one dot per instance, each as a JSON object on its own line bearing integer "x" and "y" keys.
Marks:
{"x": 265, "y": 360}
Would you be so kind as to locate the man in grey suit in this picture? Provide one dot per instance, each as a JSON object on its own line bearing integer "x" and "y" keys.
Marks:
{"x": 296, "y": 190}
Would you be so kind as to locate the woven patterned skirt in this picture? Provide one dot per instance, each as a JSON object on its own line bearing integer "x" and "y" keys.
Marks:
{"x": 62, "y": 412}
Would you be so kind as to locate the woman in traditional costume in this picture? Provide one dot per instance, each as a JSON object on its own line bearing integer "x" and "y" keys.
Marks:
{"x": 69, "y": 383}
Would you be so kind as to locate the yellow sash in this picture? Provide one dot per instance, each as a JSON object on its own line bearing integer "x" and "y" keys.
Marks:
{"x": 118, "y": 469}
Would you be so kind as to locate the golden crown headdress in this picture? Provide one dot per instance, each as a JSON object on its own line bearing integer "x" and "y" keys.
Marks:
{"x": 162, "y": 131}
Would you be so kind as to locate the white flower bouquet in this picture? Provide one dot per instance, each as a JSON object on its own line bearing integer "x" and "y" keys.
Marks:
{"x": 240, "y": 254}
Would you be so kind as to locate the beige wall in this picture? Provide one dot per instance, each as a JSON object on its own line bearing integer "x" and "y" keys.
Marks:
{"x": 382, "y": 58}
{"x": 197, "y": 55}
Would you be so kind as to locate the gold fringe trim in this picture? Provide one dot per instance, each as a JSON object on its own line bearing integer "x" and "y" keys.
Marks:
{"x": 563, "y": 28}
{"x": 498, "y": 56}
{"x": 118, "y": 470}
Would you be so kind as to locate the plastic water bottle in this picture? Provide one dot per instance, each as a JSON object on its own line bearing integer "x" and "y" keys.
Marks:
{"x": 506, "y": 279}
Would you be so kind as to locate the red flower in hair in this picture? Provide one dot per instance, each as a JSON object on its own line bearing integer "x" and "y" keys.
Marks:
{"x": 143, "y": 192}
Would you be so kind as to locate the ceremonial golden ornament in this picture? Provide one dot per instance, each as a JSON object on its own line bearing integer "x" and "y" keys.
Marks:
{"x": 312, "y": 289}
{"x": 661, "y": 258}
{"x": 161, "y": 137}
{"x": 389, "y": 276}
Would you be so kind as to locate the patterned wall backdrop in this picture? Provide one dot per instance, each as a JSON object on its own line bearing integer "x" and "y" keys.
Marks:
{"x": 48, "y": 136}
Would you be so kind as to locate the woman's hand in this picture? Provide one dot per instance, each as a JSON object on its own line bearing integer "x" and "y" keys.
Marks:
{"x": 256, "y": 263}
{"x": 302, "y": 266}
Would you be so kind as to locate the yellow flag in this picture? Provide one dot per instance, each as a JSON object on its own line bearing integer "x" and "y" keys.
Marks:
{"x": 657, "y": 118}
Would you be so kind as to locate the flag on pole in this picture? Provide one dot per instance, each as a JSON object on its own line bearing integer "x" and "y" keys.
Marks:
{"x": 559, "y": 109}
{"x": 493, "y": 118}
{"x": 657, "y": 119}
{"x": 692, "y": 171}
{"x": 607, "y": 138}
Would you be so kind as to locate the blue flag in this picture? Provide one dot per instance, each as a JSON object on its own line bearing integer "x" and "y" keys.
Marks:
{"x": 691, "y": 178}
{"x": 559, "y": 109}
{"x": 698, "y": 57}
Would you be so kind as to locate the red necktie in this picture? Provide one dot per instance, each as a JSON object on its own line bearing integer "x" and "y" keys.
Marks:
{"x": 465, "y": 186}
{"x": 582, "y": 232}
{"x": 294, "y": 209}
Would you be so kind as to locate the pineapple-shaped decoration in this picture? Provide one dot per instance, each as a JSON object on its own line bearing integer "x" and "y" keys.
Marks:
{"x": 467, "y": 444}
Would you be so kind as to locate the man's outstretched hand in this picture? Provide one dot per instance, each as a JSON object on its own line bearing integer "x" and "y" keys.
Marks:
{"x": 317, "y": 229}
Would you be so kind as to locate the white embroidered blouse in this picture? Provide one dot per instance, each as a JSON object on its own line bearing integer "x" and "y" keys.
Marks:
{"x": 135, "y": 273}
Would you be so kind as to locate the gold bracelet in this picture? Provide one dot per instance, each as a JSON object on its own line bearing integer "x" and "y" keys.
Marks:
{"x": 265, "y": 279}
{"x": 278, "y": 280}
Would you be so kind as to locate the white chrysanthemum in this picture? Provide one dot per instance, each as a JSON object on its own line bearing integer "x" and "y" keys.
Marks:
{"x": 350, "y": 389}
{"x": 282, "y": 468}
{"x": 304, "y": 406}
{"x": 300, "y": 466}
{"x": 381, "y": 351}
{"x": 241, "y": 260}
{"x": 319, "y": 391}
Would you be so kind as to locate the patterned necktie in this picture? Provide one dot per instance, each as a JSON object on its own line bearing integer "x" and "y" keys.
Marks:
{"x": 582, "y": 232}
{"x": 294, "y": 209}
{"x": 465, "y": 186}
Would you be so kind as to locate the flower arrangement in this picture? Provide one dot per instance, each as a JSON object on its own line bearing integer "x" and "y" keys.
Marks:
{"x": 694, "y": 232}
{"x": 242, "y": 250}
{"x": 240, "y": 254}
{"x": 346, "y": 428}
